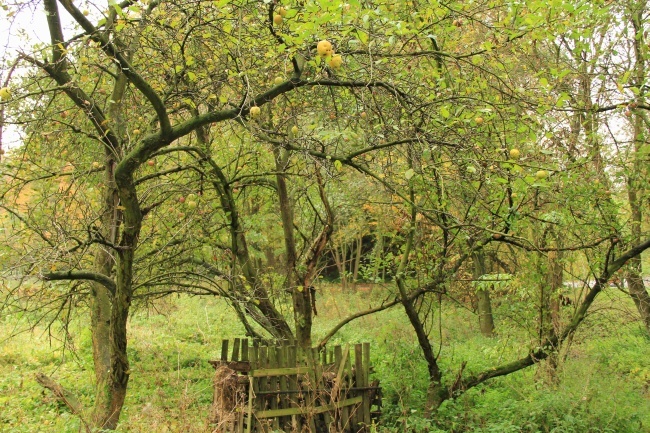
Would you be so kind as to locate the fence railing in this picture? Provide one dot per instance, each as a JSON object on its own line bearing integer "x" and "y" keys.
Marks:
{"x": 260, "y": 388}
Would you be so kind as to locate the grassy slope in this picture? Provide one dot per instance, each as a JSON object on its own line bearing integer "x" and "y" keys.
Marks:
{"x": 603, "y": 384}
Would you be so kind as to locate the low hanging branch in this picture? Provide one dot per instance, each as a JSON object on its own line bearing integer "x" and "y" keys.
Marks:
{"x": 64, "y": 396}
{"x": 82, "y": 275}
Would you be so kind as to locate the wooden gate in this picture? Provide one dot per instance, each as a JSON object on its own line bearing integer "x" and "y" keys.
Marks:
{"x": 261, "y": 388}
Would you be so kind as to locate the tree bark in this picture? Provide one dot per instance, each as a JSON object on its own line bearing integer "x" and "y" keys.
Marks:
{"x": 485, "y": 318}
{"x": 637, "y": 192}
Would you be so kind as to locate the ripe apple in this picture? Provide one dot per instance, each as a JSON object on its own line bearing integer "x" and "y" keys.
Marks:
{"x": 363, "y": 115}
{"x": 277, "y": 19}
{"x": 255, "y": 111}
{"x": 181, "y": 199}
{"x": 514, "y": 153}
{"x": 64, "y": 114}
{"x": 458, "y": 23}
{"x": 282, "y": 12}
{"x": 336, "y": 61}
{"x": 479, "y": 120}
{"x": 5, "y": 94}
{"x": 324, "y": 48}
{"x": 151, "y": 163}
{"x": 541, "y": 174}
{"x": 628, "y": 113}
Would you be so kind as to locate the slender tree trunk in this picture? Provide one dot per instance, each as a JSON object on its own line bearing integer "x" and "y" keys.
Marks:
{"x": 357, "y": 260}
{"x": 485, "y": 318}
{"x": 300, "y": 291}
{"x": 552, "y": 306}
{"x": 340, "y": 266}
{"x": 378, "y": 255}
{"x": 637, "y": 192}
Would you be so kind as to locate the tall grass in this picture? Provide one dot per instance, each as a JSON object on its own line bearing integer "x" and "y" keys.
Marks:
{"x": 603, "y": 385}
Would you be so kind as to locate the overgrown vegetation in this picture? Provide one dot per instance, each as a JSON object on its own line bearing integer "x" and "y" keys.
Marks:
{"x": 603, "y": 385}
{"x": 480, "y": 161}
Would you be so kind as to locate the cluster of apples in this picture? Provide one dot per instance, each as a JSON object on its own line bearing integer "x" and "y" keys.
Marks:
{"x": 539, "y": 175}
{"x": 324, "y": 49}
{"x": 279, "y": 16}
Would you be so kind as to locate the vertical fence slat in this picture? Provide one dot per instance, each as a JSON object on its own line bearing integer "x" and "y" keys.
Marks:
{"x": 283, "y": 397}
{"x": 253, "y": 389}
{"x": 296, "y": 420}
{"x": 358, "y": 382}
{"x": 273, "y": 386}
{"x": 366, "y": 383}
{"x": 235, "y": 350}
{"x": 244, "y": 350}
{"x": 262, "y": 361}
{"x": 346, "y": 383}
{"x": 224, "y": 350}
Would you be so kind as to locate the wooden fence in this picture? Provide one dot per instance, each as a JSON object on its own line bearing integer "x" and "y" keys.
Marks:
{"x": 261, "y": 388}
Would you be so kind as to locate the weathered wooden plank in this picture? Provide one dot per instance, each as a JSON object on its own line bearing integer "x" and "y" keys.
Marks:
{"x": 346, "y": 414}
{"x": 262, "y": 360}
{"x": 272, "y": 403}
{"x": 341, "y": 361}
{"x": 358, "y": 381}
{"x": 296, "y": 420}
{"x": 239, "y": 426}
{"x": 283, "y": 371}
{"x": 366, "y": 381}
{"x": 224, "y": 350}
{"x": 253, "y": 388}
{"x": 244, "y": 350}
{"x": 240, "y": 366}
{"x": 308, "y": 410}
{"x": 283, "y": 398}
{"x": 235, "y": 350}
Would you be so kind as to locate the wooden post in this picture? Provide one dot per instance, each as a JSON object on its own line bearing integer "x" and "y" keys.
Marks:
{"x": 262, "y": 385}
{"x": 224, "y": 350}
{"x": 283, "y": 399}
{"x": 366, "y": 382}
{"x": 272, "y": 399}
{"x": 235, "y": 350}
{"x": 346, "y": 383}
{"x": 358, "y": 383}
{"x": 296, "y": 420}
{"x": 244, "y": 350}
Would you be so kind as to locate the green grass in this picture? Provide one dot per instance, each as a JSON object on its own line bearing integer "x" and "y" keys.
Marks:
{"x": 603, "y": 385}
